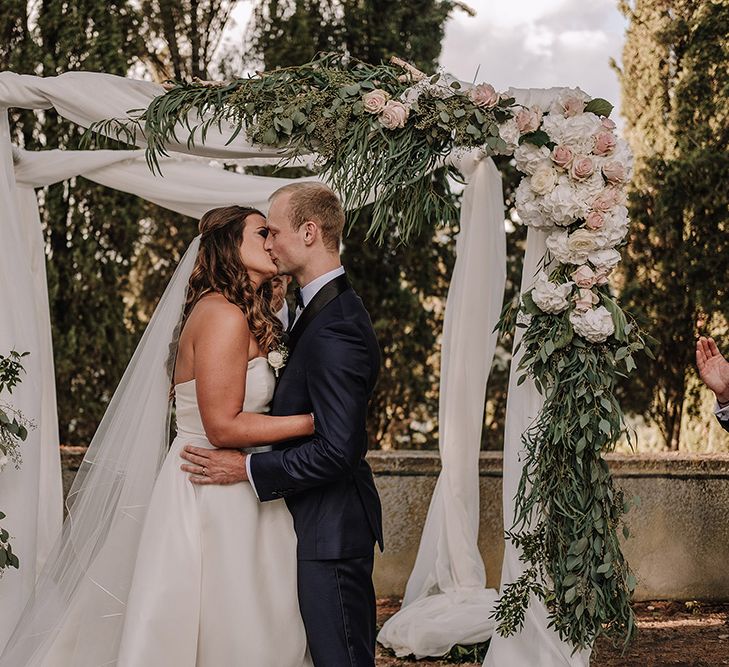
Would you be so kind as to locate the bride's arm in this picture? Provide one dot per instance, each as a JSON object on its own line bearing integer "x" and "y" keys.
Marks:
{"x": 220, "y": 349}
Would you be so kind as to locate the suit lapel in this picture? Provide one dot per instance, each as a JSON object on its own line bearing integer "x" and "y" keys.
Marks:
{"x": 321, "y": 299}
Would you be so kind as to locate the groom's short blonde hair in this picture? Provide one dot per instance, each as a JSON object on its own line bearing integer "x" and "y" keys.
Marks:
{"x": 316, "y": 202}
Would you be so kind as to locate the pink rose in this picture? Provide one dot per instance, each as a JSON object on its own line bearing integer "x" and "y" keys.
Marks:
{"x": 585, "y": 299}
{"x": 375, "y": 100}
{"x": 562, "y": 156}
{"x": 584, "y": 276}
{"x": 394, "y": 115}
{"x": 606, "y": 200}
{"x": 601, "y": 277}
{"x": 608, "y": 124}
{"x": 573, "y": 106}
{"x": 594, "y": 220}
{"x": 529, "y": 120}
{"x": 582, "y": 167}
{"x": 484, "y": 95}
{"x": 604, "y": 143}
{"x": 615, "y": 171}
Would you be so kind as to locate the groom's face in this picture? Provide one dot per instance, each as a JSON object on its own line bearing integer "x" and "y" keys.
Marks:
{"x": 286, "y": 246}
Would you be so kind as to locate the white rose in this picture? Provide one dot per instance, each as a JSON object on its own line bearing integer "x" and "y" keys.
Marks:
{"x": 544, "y": 180}
{"x": 394, "y": 115}
{"x": 580, "y": 244}
{"x": 551, "y": 297}
{"x": 604, "y": 259}
{"x": 530, "y": 157}
{"x": 275, "y": 359}
{"x": 594, "y": 325}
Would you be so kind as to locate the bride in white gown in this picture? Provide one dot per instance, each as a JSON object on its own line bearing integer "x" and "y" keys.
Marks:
{"x": 214, "y": 584}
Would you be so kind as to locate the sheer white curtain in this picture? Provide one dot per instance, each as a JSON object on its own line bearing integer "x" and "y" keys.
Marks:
{"x": 446, "y": 601}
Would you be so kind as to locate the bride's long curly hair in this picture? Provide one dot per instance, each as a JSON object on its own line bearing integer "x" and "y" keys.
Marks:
{"x": 220, "y": 269}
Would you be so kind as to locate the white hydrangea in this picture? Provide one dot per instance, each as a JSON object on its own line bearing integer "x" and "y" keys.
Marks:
{"x": 528, "y": 208}
{"x": 604, "y": 260}
{"x": 577, "y": 131}
{"x": 530, "y": 157}
{"x": 509, "y": 132}
{"x": 614, "y": 229}
{"x": 564, "y": 204}
{"x": 574, "y": 248}
{"x": 594, "y": 325}
{"x": 551, "y": 297}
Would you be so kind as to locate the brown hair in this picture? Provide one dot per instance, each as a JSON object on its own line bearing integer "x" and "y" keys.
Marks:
{"x": 220, "y": 269}
{"x": 317, "y": 202}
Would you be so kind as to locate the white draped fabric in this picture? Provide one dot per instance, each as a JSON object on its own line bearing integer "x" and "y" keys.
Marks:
{"x": 446, "y": 601}
{"x": 446, "y": 593}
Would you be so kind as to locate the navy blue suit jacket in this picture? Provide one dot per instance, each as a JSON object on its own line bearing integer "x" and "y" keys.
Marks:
{"x": 326, "y": 481}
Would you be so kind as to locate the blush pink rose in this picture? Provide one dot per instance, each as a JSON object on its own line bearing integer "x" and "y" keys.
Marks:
{"x": 562, "y": 156}
{"x": 375, "y": 100}
{"x": 394, "y": 115}
{"x": 573, "y": 106}
{"x": 584, "y": 277}
{"x": 582, "y": 167}
{"x": 604, "y": 143}
{"x": 585, "y": 299}
{"x": 614, "y": 171}
{"x": 608, "y": 124}
{"x": 529, "y": 120}
{"x": 484, "y": 95}
{"x": 601, "y": 277}
{"x": 594, "y": 220}
{"x": 607, "y": 199}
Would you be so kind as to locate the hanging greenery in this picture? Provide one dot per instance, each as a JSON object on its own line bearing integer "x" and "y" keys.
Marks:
{"x": 379, "y": 131}
{"x": 13, "y": 430}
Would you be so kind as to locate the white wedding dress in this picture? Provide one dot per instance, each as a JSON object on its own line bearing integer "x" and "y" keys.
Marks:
{"x": 215, "y": 578}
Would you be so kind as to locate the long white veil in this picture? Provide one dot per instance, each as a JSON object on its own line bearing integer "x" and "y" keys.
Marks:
{"x": 76, "y": 612}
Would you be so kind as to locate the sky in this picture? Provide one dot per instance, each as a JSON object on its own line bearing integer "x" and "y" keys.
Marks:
{"x": 531, "y": 44}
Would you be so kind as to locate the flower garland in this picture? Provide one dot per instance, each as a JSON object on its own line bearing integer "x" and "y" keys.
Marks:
{"x": 375, "y": 128}
{"x": 13, "y": 430}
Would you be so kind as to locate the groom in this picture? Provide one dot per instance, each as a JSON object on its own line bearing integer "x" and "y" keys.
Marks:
{"x": 331, "y": 371}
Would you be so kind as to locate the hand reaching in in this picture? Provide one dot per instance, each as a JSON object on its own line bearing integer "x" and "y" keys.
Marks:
{"x": 214, "y": 466}
{"x": 713, "y": 369}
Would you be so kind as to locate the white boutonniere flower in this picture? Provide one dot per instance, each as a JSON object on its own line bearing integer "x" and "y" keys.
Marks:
{"x": 277, "y": 359}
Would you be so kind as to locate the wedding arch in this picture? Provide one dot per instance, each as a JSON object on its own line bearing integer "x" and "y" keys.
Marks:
{"x": 376, "y": 133}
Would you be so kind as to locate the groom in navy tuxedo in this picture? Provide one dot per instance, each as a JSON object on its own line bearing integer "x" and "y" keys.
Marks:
{"x": 333, "y": 364}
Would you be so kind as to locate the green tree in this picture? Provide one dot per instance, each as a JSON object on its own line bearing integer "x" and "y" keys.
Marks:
{"x": 675, "y": 84}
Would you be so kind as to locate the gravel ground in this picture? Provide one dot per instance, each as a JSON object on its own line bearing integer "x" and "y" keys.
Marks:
{"x": 670, "y": 634}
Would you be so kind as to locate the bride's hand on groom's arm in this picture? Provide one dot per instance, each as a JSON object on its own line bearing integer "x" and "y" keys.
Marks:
{"x": 214, "y": 466}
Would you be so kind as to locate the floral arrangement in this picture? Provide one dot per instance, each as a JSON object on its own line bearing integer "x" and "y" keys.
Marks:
{"x": 383, "y": 129}
{"x": 13, "y": 430}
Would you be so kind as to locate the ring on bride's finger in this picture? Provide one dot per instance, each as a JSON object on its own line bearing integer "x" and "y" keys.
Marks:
{"x": 204, "y": 471}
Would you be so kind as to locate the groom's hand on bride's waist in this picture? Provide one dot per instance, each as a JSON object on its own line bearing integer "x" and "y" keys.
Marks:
{"x": 214, "y": 466}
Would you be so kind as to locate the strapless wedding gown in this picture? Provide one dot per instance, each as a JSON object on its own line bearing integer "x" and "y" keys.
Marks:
{"x": 215, "y": 577}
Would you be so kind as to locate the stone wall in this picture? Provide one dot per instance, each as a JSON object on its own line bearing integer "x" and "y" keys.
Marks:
{"x": 679, "y": 544}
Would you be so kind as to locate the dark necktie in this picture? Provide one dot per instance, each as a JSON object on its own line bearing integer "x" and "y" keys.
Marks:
{"x": 299, "y": 298}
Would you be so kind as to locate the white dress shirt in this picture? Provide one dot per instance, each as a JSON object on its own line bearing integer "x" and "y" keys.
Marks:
{"x": 308, "y": 292}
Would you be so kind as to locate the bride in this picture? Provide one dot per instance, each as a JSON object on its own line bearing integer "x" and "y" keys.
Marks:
{"x": 215, "y": 576}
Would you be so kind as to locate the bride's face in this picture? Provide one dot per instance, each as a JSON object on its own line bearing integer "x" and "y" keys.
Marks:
{"x": 257, "y": 261}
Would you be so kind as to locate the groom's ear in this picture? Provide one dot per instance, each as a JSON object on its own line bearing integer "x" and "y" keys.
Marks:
{"x": 311, "y": 232}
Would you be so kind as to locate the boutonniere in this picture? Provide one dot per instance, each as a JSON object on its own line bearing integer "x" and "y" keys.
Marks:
{"x": 277, "y": 358}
